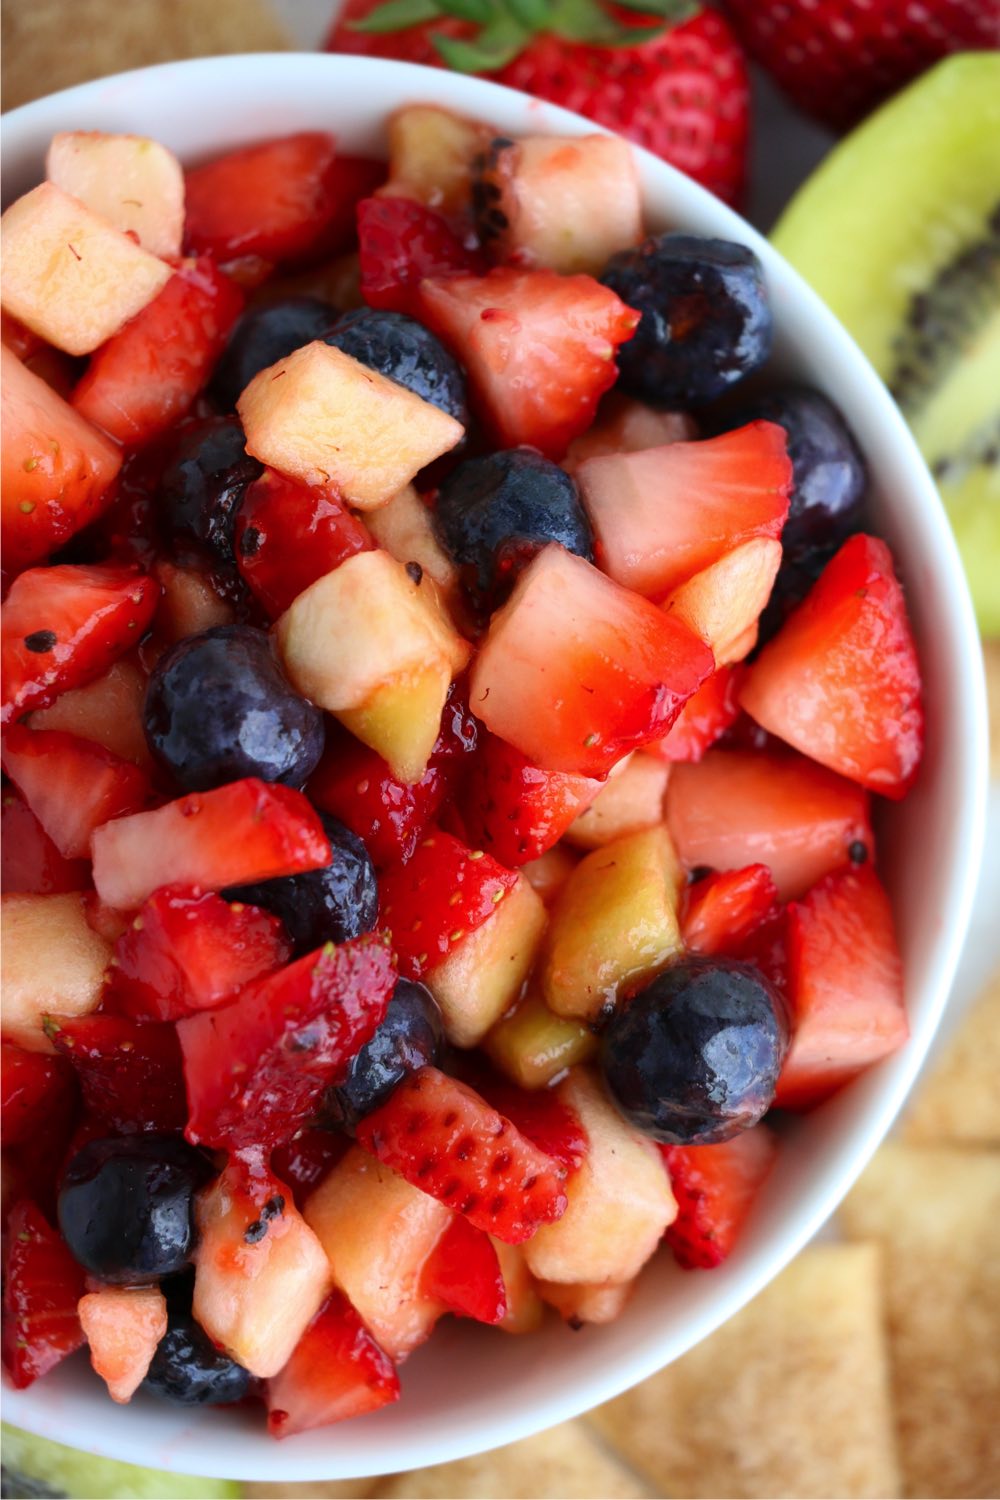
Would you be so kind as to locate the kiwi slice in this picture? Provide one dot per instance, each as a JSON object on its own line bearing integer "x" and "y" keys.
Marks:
{"x": 34, "y": 1467}
{"x": 899, "y": 232}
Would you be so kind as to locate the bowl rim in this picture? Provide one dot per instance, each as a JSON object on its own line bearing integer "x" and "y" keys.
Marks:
{"x": 32, "y": 1409}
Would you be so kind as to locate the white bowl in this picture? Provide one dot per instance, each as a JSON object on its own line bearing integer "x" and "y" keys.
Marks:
{"x": 470, "y": 1388}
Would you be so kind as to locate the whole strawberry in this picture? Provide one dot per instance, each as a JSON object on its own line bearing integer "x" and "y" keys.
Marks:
{"x": 838, "y": 59}
{"x": 674, "y": 81}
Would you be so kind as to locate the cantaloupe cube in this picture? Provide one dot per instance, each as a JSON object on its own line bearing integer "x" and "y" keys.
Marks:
{"x": 134, "y": 183}
{"x": 525, "y": 1308}
{"x": 625, "y": 804}
{"x": 722, "y": 603}
{"x": 51, "y": 963}
{"x": 403, "y": 528}
{"x": 123, "y": 1325}
{"x": 586, "y": 1303}
{"x": 189, "y": 604}
{"x": 68, "y": 274}
{"x": 532, "y": 1045}
{"x": 107, "y": 711}
{"x": 430, "y": 156}
{"x": 322, "y": 417}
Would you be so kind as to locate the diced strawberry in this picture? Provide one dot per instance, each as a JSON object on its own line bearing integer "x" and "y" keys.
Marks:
{"x": 513, "y": 809}
{"x": 71, "y": 785}
{"x": 337, "y": 1371}
{"x": 542, "y": 1117}
{"x": 463, "y": 1272}
{"x": 34, "y": 1165}
{"x": 42, "y": 1286}
{"x": 237, "y": 834}
{"x": 719, "y": 912}
{"x": 55, "y": 469}
{"x": 105, "y": 920}
{"x": 130, "y": 1072}
{"x": 31, "y": 1089}
{"x": 766, "y": 948}
{"x": 845, "y": 987}
{"x": 539, "y": 348}
{"x": 306, "y": 1159}
{"x": 256, "y": 1068}
{"x": 577, "y": 671}
{"x": 18, "y": 338}
{"x": 402, "y": 242}
{"x": 123, "y": 1325}
{"x": 444, "y": 892}
{"x": 446, "y": 1140}
{"x": 29, "y": 860}
{"x": 715, "y": 1187}
{"x": 64, "y": 626}
{"x": 840, "y": 681}
{"x": 190, "y": 950}
{"x": 745, "y": 807}
{"x": 146, "y": 377}
{"x": 706, "y": 715}
{"x": 289, "y": 534}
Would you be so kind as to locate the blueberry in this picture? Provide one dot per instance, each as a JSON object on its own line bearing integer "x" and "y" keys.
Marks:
{"x": 329, "y": 905}
{"x": 405, "y": 351}
{"x": 706, "y": 320}
{"x": 263, "y": 336}
{"x": 494, "y": 513}
{"x": 411, "y": 1036}
{"x": 189, "y": 1370}
{"x": 218, "y": 707}
{"x": 695, "y": 1056}
{"x": 203, "y": 483}
{"x": 125, "y": 1206}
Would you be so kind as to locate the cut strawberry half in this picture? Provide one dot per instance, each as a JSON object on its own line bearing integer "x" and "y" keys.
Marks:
{"x": 447, "y": 1141}
{"x": 715, "y": 1188}
{"x": 441, "y": 895}
{"x": 288, "y": 535}
{"x": 543, "y": 1117}
{"x": 307, "y": 1158}
{"x": 130, "y": 1073}
{"x": 71, "y": 785}
{"x": 464, "y": 1273}
{"x": 719, "y": 912}
{"x": 706, "y": 715}
{"x": 400, "y": 244}
{"x": 33, "y": 1086}
{"x": 576, "y": 671}
{"x": 256, "y": 1068}
{"x": 42, "y": 1286}
{"x": 189, "y": 950}
{"x": 336, "y": 1371}
{"x": 146, "y": 377}
{"x": 845, "y": 987}
{"x": 515, "y": 810}
{"x": 235, "y": 835}
{"x": 123, "y": 1326}
{"x": 29, "y": 860}
{"x": 539, "y": 349}
{"x": 64, "y": 626}
{"x": 841, "y": 681}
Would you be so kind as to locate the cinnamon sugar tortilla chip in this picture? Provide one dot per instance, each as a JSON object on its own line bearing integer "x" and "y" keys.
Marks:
{"x": 991, "y": 657}
{"x": 958, "y": 1102}
{"x": 323, "y": 1489}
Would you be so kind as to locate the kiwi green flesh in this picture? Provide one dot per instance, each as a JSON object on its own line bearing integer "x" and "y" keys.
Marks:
{"x": 33, "y": 1466}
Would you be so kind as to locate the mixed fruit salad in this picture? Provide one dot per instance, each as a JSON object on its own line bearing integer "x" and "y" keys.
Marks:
{"x": 445, "y": 692}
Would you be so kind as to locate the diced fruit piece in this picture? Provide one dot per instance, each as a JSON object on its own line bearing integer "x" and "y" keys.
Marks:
{"x": 845, "y": 986}
{"x": 542, "y": 1117}
{"x": 18, "y": 339}
{"x": 52, "y": 961}
{"x": 723, "y": 602}
{"x": 664, "y": 514}
{"x": 189, "y": 950}
{"x": 190, "y": 603}
{"x": 336, "y": 1371}
{"x": 614, "y": 924}
{"x": 256, "y": 1068}
{"x": 71, "y": 785}
{"x": 403, "y": 528}
{"x": 539, "y": 348}
{"x": 514, "y": 809}
{"x": 69, "y": 275}
{"x": 525, "y": 1309}
{"x": 309, "y": 1157}
{"x": 357, "y": 786}
{"x": 627, "y": 803}
{"x": 706, "y": 715}
{"x": 400, "y": 243}
{"x": 123, "y": 1326}
{"x": 449, "y": 1142}
{"x": 743, "y": 807}
{"x": 324, "y": 418}
{"x": 42, "y": 1286}
{"x": 715, "y": 1187}
{"x": 619, "y": 1198}
{"x": 532, "y": 1045}
{"x": 578, "y": 1304}
{"x": 130, "y": 1074}
{"x": 63, "y": 626}
{"x": 374, "y": 647}
{"x": 33, "y": 1089}
{"x": 106, "y": 711}
{"x": 576, "y": 671}
{"x": 31, "y": 863}
{"x": 261, "y": 1273}
{"x": 246, "y": 831}
{"x": 146, "y": 377}
{"x": 288, "y": 535}
{"x": 431, "y": 152}
{"x": 549, "y": 873}
{"x": 134, "y": 183}
{"x": 841, "y": 681}
{"x": 565, "y": 203}
{"x": 56, "y": 468}
{"x": 719, "y": 912}
{"x": 441, "y": 895}
{"x": 627, "y": 426}
{"x": 463, "y": 1272}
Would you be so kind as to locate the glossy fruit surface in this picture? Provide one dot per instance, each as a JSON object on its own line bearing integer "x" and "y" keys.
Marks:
{"x": 264, "y": 335}
{"x": 42, "y": 1286}
{"x": 409, "y": 1036}
{"x": 189, "y": 1370}
{"x": 203, "y": 483}
{"x": 405, "y": 351}
{"x": 129, "y": 1072}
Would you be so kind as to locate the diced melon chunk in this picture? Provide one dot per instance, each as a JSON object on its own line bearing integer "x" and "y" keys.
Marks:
{"x": 723, "y": 602}
{"x": 627, "y": 426}
{"x": 189, "y": 605}
{"x": 322, "y": 417}
{"x": 430, "y": 155}
{"x": 550, "y": 871}
{"x": 68, "y": 274}
{"x": 586, "y": 1303}
{"x": 403, "y": 528}
{"x": 532, "y": 1045}
{"x": 625, "y": 804}
{"x": 123, "y": 1325}
{"x": 525, "y": 1308}
{"x": 107, "y": 711}
{"x": 51, "y": 962}
{"x": 134, "y": 183}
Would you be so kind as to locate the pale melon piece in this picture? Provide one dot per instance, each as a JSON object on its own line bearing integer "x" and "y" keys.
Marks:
{"x": 123, "y": 1325}
{"x": 550, "y": 871}
{"x": 378, "y": 1232}
{"x": 401, "y": 720}
{"x": 723, "y": 602}
{"x": 324, "y": 418}
{"x": 107, "y": 711}
{"x": 577, "y": 1305}
{"x": 525, "y": 1308}
{"x": 430, "y": 156}
{"x": 531, "y": 1045}
{"x": 68, "y": 274}
{"x": 134, "y": 183}
{"x": 51, "y": 963}
{"x": 189, "y": 604}
{"x": 403, "y": 528}
{"x": 613, "y": 925}
{"x": 624, "y": 425}
{"x": 620, "y": 1200}
{"x": 626, "y": 804}
{"x": 483, "y": 975}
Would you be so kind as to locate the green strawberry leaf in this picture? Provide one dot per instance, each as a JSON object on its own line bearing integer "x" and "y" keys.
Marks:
{"x": 588, "y": 22}
{"x": 396, "y": 15}
{"x": 495, "y": 46}
{"x": 673, "y": 11}
{"x": 480, "y": 12}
